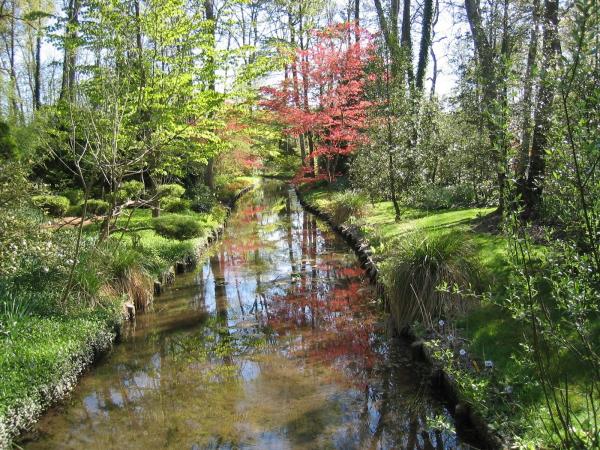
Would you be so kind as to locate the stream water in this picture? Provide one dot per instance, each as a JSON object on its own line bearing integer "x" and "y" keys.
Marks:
{"x": 273, "y": 342}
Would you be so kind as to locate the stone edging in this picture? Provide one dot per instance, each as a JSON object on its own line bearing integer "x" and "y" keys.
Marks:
{"x": 462, "y": 411}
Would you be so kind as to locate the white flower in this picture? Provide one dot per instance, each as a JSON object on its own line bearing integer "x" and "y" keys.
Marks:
{"x": 489, "y": 364}
{"x": 441, "y": 322}
{"x": 462, "y": 352}
{"x": 45, "y": 269}
{"x": 450, "y": 338}
{"x": 508, "y": 389}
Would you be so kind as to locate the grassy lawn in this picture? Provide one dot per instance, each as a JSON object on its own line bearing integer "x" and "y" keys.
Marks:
{"x": 491, "y": 332}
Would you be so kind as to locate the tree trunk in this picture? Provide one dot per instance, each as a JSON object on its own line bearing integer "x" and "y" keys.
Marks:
{"x": 489, "y": 68}
{"x": 406, "y": 42}
{"x": 70, "y": 53}
{"x": 209, "y": 175}
{"x": 543, "y": 113}
{"x": 37, "y": 98}
{"x": 528, "y": 83}
{"x": 425, "y": 43}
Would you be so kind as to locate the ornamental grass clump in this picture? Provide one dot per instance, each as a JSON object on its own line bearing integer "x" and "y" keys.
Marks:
{"x": 418, "y": 269}
{"x": 347, "y": 205}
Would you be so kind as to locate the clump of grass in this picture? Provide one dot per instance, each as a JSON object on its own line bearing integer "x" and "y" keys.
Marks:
{"x": 416, "y": 270}
{"x": 346, "y": 205}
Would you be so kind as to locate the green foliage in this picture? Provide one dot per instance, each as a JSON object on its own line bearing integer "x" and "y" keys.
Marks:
{"x": 419, "y": 266}
{"x": 202, "y": 199}
{"x": 180, "y": 227}
{"x": 170, "y": 190}
{"x": 97, "y": 207}
{"x": 174, "y": 204}
{"x": 346, "y": 205}
{"x": 75, "y": 196}
{"x": 433, "y": 197}
{"x": 129, "y": 190}
{"x": 8, "y": 144}
{"x": 54, "y": 205}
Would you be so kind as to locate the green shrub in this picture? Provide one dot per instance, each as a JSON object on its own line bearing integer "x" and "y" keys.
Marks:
{"x": 347, "y": 204}
{"x": 96, "y": 207}
{"x": 175, "y": 226}
{"x": 174, "y": 205}
{"x": 54, "y": 205}
{"x": 129, "y": 190}
{"x": 433, "y": 197}
{"x": 202, "y": 199}
{"x": 75, "y": 196}
{"x": 416, "y": 270}
{"x": 170, "y": 190}
{"x": 74, "y": 211}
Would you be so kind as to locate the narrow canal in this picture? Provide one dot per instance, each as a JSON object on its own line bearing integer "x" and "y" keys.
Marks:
{"x": 273, "y": 342}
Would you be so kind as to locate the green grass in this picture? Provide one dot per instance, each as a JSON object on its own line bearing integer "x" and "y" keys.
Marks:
{"x": 44, "y": 349}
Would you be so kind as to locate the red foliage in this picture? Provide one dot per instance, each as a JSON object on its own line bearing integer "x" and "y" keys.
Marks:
{"x": 333, "y": 108}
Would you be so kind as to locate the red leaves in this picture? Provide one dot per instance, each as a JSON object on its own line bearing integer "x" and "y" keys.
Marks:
{"x": 327, "y": 98}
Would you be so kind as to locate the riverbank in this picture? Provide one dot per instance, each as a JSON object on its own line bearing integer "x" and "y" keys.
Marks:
{"x": 49, "y": 341}
{"x": 468, "y": 388}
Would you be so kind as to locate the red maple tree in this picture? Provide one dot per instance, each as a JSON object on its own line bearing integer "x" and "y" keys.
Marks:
{"x": 328, "y": 103}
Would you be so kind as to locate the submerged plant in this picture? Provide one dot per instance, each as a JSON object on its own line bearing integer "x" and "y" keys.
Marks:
{"x": 416, "y": 270}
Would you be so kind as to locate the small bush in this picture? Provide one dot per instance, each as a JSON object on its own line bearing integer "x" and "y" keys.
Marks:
{"x": 433, "y": 197}
{"x": 54, "y": 205}
{"x": 347, "y": 204}
{"x": 174, "y": 205}
{"x": 178, "y": 227}
{"x": 202, "y": 199}
{"x": 74, "y": 211}
{"x": 420, "y": 265}
{"x": 75, "y": 196}
{"x": 170, "y": 190}
{"x": 96, "y": 207}
{"x": 129, "y": 190}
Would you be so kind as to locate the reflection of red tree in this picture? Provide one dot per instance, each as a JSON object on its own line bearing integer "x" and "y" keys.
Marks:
{"x": 336, "y": 323}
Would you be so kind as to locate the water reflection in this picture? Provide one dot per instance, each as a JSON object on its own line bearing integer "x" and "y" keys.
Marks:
{"x": 273, "y": 342}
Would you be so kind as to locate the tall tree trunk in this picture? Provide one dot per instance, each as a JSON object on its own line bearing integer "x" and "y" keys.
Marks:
{"x": 491, "y": 83}
{"x": 11, "y": 61}
{"x": 209, "y": 174}
{"x": 528, "y": 83}
{"x": 543, "y": 113}
{"x": 37, "y": 97}
{"x": 406, "y": 42}
{"x": 70, "y": 50}
{"x": 390, "y": 34}
{"x": 425, "y": 43}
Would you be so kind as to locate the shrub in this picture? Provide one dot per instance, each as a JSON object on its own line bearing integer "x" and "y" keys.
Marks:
{"x": 433, "y": 197}
{"x": 347, "y": 204}
{"x": 96, "y": 207}
{"x": 129, "y": 190}
{"x": 202, "y": 199}
{"x": 54, "y": 205}
{"x": 419, "y": 266}
{"x": 75, "y": 196}
{"x": 174, "y": 205}
{"x": 74, "y": 210}
{"x": 170, "y": 190}
{"x": 178, "y": 227}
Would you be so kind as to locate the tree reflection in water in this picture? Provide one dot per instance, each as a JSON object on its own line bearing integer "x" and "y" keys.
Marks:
{"x": 274, "y": 342}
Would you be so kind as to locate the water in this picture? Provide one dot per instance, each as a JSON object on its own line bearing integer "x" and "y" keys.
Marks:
{"x": 274, "y": 342}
